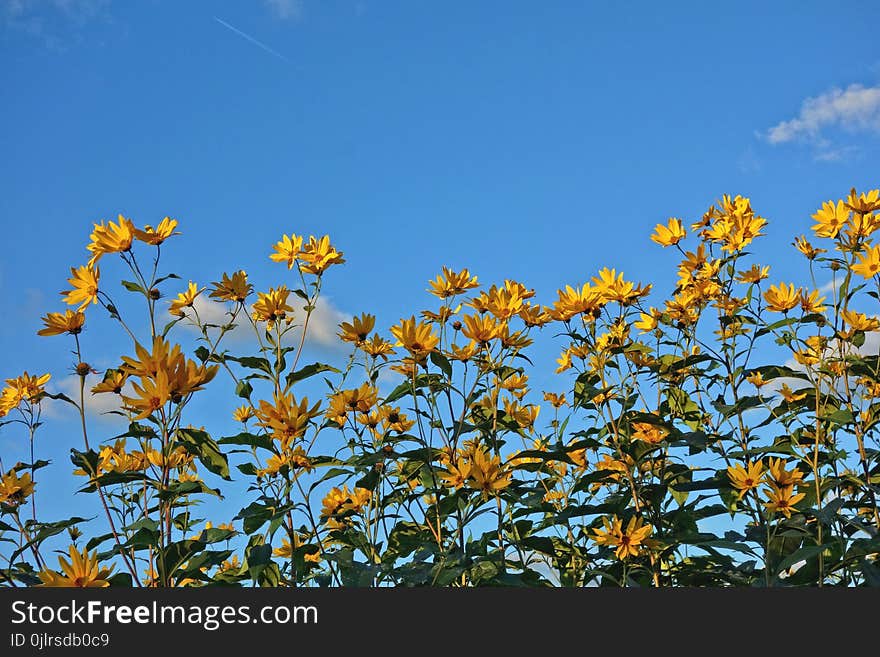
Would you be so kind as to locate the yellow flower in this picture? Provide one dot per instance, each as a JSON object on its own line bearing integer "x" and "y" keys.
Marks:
{"x": 736, "y": 224}
{"x": 782, "y": 500}
{"x": 151, "y": 395}
{"x": 812, "y": 302}
{"x": 782, "y": 477}
{"x": 243, "y": 413}
{"x": 341, "y": 500}
{"x": 358, "y": 330}
{"x": 868, "y": 265}
{"x": 746, "y": 478}
{"x": 22, "y": 388}
{"x": 782, "y": 298}
{"x": 287, "y": 250}
{"x": 858, "y": 322}
{"x": 418, "y": 339}
{"x": 672, "y": 233}
{"x": 729, "y": 305}
{"x": 85, "y": 287}
{"x": 185, "y": 300}
{"x": 865, "y": 202}
{"x": 14, "y": 489}
{"x": 295, "y": 461}
{"x": 649, "y": 433}
{"x": 451, "y": 284}
{"x": 754, "y": 274}
{"x": 480, "y": 328}
{"x": 318, "y": 255}
{"x": 564, "y": 362}
{"x": 517, "y": 384}
{"x": 441, "y": 316}
{"x": 648, "y": 321}
{"x": 354, "y": 400}
{"x": 612, "y": 287}
{"x": 272, "y": 306}
{"x": 627, "y": 542}
{"x": 816, "y": 346}
{"x": 159, "y": 234}
{"x": 534, "y": 315}
{"x": 81, "y": 571}
{"x": 286, "y": 549}
{"x": 232, "y": 288}
{"x": 113, "y": 238}
{"x": 408, "y": 366}
{"x": 802, "y": 245}
{"x": 502, "y": 302}
{"x": 486, "y": 474}
{"x": 790, "y": 395}
{"x": 57, "y": 323}
{"x": 113, "y": 382}
{"x": 860, "y": 227}
{"x": 574, "y": 301}
{"x": 464, "y": 353}
{"x": 524, "y": 416}
{"x": 830, "y": 219}
{"x": 394, "y": 420}
{"x": 229, "y": 565}
{"x": 377, "y": 346}
{"x": 756, "y": 379}
{"x": 286, "y": 419}
{"x": 457, "y": 471}
{"x": 556, "y": 400}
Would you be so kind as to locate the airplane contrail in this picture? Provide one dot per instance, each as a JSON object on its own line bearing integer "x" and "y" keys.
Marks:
{"x": 259, "y": 44}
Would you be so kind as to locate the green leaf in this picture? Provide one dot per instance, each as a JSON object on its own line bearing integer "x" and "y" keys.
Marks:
{"x": 258, "y": 562}
{"x": 244, "y": 389}
{"x": 253, "y": 363}
{"x": 442, "y": 362}
{"x": 840, "y": 417}
{"x": 805, "y": 553}
{"x": 175, "y": 555}
{"x": 248, "y": 439}
{"x": 133, "y": 287}
{"x": 165, "y": 278}
{"x": 62, "y": 397}
{"x": 309, "y": 370}
{"x": 199, "y": 443}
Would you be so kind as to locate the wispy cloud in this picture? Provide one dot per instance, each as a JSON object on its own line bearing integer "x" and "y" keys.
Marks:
{"x": 98, "y": 407}
{"x": 322, "y": 331}
{"x": 831, "y": 285}
{"x": 827, "y": 154}
{"x": 854, "y": 109}
{"x": 256, "y": 42}
{"x": 286, "y": 9}
{"x": 55, "y": 22}
{"x": 869, "y": 348}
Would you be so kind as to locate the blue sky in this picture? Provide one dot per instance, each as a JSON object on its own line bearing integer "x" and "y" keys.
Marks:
{"x": 536, "y": 141}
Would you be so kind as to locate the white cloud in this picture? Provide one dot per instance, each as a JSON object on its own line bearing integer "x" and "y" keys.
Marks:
{"x": 870, "y": 347}
{"x": 79, "y": 11}
{"x": 827, "y": 154}
{"x": 832, "y": 285}
{"x": 54, "y": 22}
{"x": 286, "y": 9}
{"x": 98, "y": 406}
{"x": 856, "y": 108}
{"x": 322, "y": 331}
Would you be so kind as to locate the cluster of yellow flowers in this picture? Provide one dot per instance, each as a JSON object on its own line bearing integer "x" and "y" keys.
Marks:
{"x": 22, "y": 389}
{"x": 615, "y": 344}
{"x": 780, "y": 483}
{"x": 15, "y": 488}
